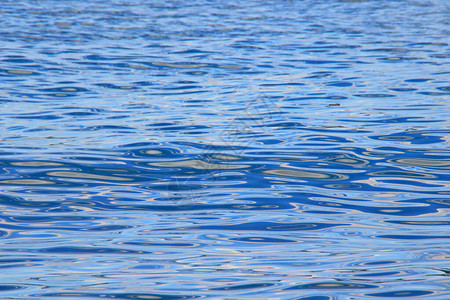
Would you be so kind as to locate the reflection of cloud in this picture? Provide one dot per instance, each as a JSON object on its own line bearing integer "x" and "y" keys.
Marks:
{"x": 225, "y": 157}
{"x": 402, "y": 183}
{"x": 35, "y": 164}
{"x": 401, "y": 174}
{"x": 198, "y": 164}
{"x": 424, "y": 162}
{"x": 446, "y": 138}
{"x": 26, "y": 181}
{"x": 81, "y": 175}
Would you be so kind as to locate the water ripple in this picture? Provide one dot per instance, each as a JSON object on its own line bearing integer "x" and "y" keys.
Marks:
{"x": 242, "y": 150}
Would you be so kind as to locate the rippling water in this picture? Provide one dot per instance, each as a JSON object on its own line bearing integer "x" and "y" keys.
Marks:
{"x": 224, "y": 149}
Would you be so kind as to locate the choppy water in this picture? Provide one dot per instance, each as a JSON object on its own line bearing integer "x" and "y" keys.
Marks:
{"x": 224, "y": 149}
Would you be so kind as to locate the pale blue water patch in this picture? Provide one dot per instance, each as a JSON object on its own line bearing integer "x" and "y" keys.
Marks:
{"x": 224, "y": 149}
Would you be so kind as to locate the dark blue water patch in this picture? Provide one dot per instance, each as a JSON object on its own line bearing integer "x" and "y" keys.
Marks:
{"x": 374, "y": 263}
{"x": 177, "y": 128}
{"x": 419, "y": 80}
{"x": 90, "y": 250}
{"x": 75, "y": 227}
{"x": 420, "y": 223}
{"x": 282, "y": 84}
{"x": 7, "y": 288}
{"x": 394, "y": 120}
{"x": 379, "y": 274}
{"x": 19, "y": 59}
{"x": 149, "y": 244}
{"x": 401, "y": 293}
{"x": 323, "y": 212}
{"x": 306, "y": 98}
{"x": 195, "y": 73}
{"x": 403, "y": 89}
{"x": 436, "y": 204}
{"x": 146, "y": 267}
{"x": 321, "y": 62}
{"x": 131, "y": 296}
{"x": 433, "y": 93}
{"x": 340, "y": 84}
{"x": 269, "y": 226}
{"x": 375, "y": 95}
{"x": 332, "y": 286}
{"x": 267, "y": 240}
{"x": 444, "y": 88}
{"x": 414, "y": 237}
{"x": 315, "y": 298}
{"x": 332, "y": 131}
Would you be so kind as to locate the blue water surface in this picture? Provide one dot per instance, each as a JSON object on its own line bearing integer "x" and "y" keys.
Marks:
{"x": 224, "y": 149}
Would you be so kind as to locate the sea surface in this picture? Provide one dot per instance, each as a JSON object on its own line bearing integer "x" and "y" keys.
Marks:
{"x": 225, "y": 149}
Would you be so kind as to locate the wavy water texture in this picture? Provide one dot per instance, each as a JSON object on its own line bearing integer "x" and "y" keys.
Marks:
{"x": 224, "y": 149}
